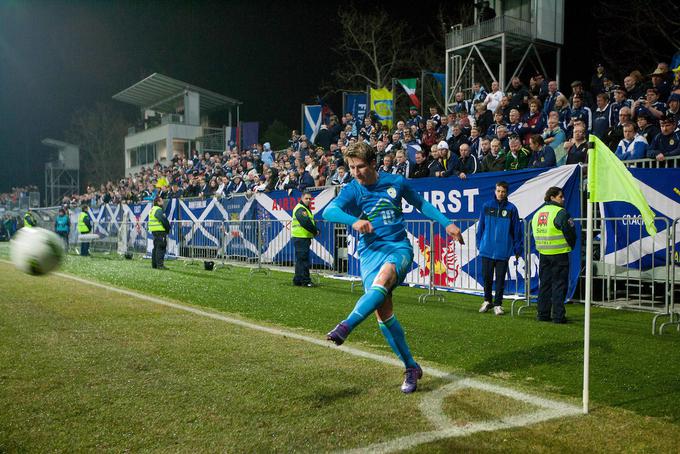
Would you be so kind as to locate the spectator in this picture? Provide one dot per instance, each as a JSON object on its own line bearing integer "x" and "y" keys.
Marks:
{"x": 484, "y": 148}
{"x": 478, "y": 94}
{"x": 615, "y": 133}
{"x": 660, "y": 82}
{"x": 341, "y": 177}
{"x": 519, "y": 96}
{"x": 435, "y": 168}
{"x": 387, "y": 165}
{"x": 542, "y": 155}
{"x": 666, "y": 144}
{"x": 620, "y": 101}
{"x": 486, "y": 12}
{"x": 305, "y": 179}
{"x": 494, "y": 161}
{"x": 563, "y": 112}
{"x": 553, "y": 94}
{"x": 533, "y": 122}
{"x": 493, "y": 99}
{"x": 673, "y": 105}
{"x": 602, "y": 116}
{"x": 650, "y": 104}
{"x": 456, "y": 140}
{"x": 467, "y": 164}
{"x": 403, "y": 165}
{"x": 461, "y": 104}
{"x": 514, "y": 126}
{"x": 435, "y": 117}
{"x": 483, "y": 118}
{"x": 473, "y": 140}
{"x": 446, "y": 159}
{"x": 497, "y": 121}
{"x": 579, "y": 112}
{"x": 632, "y": 146}
{"x": 517, "y": 157}
{"x": 586, "y": 96}
{"x": 429, "y": 137}
{"x": 422, "y": 167}
{"x": 236, "y": 186}
{"x": 577, "y": 147}
{"x": 633, "y": 86}
{"x": 414, "y": 119}
{"x": 596, "y": 82}
{"x": 647, "y": 129}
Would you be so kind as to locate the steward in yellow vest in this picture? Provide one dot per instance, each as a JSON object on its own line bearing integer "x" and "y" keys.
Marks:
{"x": 555, "y": 236}
{"x": 159, "y": 226}
{"x": 303, "y": 230}
{"x": 29, "y": 220}
{"x": 84, "y": 227}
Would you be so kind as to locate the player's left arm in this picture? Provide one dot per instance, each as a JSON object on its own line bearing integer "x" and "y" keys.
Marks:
{"x": 425, "y": 207}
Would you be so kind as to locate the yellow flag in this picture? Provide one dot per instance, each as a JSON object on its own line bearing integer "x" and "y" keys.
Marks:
{"x": 382, "y": 104}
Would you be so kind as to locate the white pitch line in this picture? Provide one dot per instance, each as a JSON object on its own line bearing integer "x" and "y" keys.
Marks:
{"x": 432, "y": 402}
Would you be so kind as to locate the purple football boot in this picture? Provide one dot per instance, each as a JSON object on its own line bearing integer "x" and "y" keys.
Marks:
{"x": 412, "y": 375}
{"x": 339, "y": 333}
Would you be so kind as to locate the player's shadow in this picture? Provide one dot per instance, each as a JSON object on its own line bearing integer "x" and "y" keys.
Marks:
{"x": 324, "y": 397}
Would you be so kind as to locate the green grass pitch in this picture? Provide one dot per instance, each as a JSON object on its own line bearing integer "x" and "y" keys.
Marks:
{"x": 86, "y": 369}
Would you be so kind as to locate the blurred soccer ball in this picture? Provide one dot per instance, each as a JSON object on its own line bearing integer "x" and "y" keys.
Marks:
{"x": 36, "y": 251}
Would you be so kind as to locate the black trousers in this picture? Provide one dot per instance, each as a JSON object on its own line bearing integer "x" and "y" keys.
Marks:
{"x": 160, "y": 242}
{"x": 500, "y": 267}
{"x": 84, "y": 249}
{"x": 302, "y": 262}
{"x": 553, "y": 276}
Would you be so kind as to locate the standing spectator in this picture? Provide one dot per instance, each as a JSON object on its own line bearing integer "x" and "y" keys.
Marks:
{"x": 586, "y": 96}
{"x": 478, "y": 94}
{"x": 519, "y": 96}
{"x": 533, "y": 122}
{"x": 660, "y": 82}
{"x": 499, "y": 236}
{"x": 429, "y": 136}
{"x": 303, "y": 230}
{"x": 517, "y": 157}
{"x": 632, "y": 146}
{"x": 615, "y": 133}
{"x": 597, "y": 82}
{"x": 577, "y": 147}
{"x": 579, "y": 112}
{"x": 666, "y": 144}
{"x": 493, "y": 99}
{"x": 434, "y": 116}
{"x": 422, "y": 167}
{"x": 620, "y": 101}
{"x": 486, "y": 13}
{"x": 542, "y": 155}
{"x": 555, "y": 236}
{"x": 633, "y": 86}
{"x": 553, "y": 94}
{"x": 461, "y": 104}
{"x": 483, "y": 118}
{"x": 553, "y": 134}
{"x": 414, "y": 119}
{"x": 563, "y": 112}
{"x": 267, "y": 154}
{"x": 602, "y": 116}
{"x": 650, "y": 105}
{"x": 62, "y": 226}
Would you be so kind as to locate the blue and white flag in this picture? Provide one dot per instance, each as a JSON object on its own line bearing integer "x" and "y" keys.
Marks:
{"x": 311, "y": 121}
{"x": 355, "y": 103}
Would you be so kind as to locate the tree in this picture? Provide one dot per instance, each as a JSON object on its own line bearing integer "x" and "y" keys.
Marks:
{"x": 372, "y": 48}
{"x": 100, "y": 134}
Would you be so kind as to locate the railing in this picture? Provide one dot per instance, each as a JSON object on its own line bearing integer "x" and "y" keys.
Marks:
{"x": 495, "y": 26}
{"x": 212, "y": 140}
{"x": 672, "y": 162}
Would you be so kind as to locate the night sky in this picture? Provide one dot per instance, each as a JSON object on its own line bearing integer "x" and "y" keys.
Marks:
{"x": 59, "y": 56}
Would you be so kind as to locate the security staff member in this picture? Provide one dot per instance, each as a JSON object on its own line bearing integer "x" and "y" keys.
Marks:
{"x": 555, "y": 237}
{"x": 29, "y": 220}
{"x": 84, "y": 227}
{"x": 304, "y": 229}
{"x": 159, "y": 226}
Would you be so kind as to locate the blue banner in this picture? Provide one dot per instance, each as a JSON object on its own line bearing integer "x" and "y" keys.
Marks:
{"x": 355, "y": 103}
{"x": 627, "y": 242}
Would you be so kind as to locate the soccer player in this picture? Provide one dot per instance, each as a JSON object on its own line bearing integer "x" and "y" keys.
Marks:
{"x": 371, "y": 204}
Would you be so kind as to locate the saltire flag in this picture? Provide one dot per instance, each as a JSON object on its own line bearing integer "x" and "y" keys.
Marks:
{"x": 441, "y": 78}
{"x": 382, "y": 104}
{"x": 409, "y": 86}
{"x": 610, "y": 181}
{"x": 311, "y": 121}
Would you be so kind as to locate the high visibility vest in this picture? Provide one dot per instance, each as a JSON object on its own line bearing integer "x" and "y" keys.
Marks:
{"x": 154, "y": 225}
{"x": 82, "y": 227}
{"x": 29, "y": 220}
{"x": 549, "y": 239}
{"x": 298, "y": 231}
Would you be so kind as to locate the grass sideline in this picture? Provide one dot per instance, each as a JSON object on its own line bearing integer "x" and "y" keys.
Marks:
{"x": 482, "y": 344}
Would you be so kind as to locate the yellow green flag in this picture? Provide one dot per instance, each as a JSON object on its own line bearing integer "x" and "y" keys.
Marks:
{"x": 381, "y": 104}
{"x": 610, "y": 181}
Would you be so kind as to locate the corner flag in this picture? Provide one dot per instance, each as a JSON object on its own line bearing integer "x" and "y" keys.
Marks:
{"x": 609, "y": 180}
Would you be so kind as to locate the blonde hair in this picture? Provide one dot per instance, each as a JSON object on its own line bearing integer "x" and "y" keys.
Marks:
{"x": 360, "y": 150}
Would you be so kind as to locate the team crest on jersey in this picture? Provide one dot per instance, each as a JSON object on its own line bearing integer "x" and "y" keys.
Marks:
{"x": 392, "y": 192}
{"x": 504, "y": 213}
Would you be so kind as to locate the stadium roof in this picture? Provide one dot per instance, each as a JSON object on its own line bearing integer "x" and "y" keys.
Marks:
{"x": 160, "y": 93}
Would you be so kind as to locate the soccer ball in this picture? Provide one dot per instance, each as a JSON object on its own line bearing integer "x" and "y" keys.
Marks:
{"x": 36, "y": 251}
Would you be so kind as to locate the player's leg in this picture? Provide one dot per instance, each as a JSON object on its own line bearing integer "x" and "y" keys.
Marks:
{"x": 394, "y": 333}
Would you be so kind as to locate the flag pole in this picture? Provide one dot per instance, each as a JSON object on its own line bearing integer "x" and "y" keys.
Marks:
{"x": 589, "y": 283}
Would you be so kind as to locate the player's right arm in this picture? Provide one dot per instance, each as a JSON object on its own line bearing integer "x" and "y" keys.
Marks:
{"x": 425, "y": 207}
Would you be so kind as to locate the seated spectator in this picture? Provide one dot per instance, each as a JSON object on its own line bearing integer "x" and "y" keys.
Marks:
{"x": 422, "y": 167}
{"x": 620, "y": 101}
{"x": 414, "y": 119}
{"x": 434, "y": 116}
{"x": 634, "y": 86}
{"x": 579, "y": 112}
{"x": 429, "y": 137}
{"x": 497, "y": 121}
{"x": 502, "y": 136}
{"x": 305, "y": 180}
{"x": 478, "y": 95}
{"x": 673, "y": 106}
{"x": 666, "y": 144}
{"x": 615, "y": 133}
{"x": 403, "y": 165}
{"x": 456, "y": 140}
{"x": 467, "y": 163}
{"x": 446, "y": 159}
{"x": 341, "y": 177}
{"x": 473, "y": 140}
{"x": 632, "y": 146}
{"x": 602, "y": 116}
{"x": 577, "y": 147}
{"x": 650, "y": 105}
{"x": 237, "y": 185}
{"x": 660, "y": 81}
{"x": 460, "y": 104}
{"x": 505, "y": 108}
{"x": 553, "y": 134}
{"x": 542, "y": 155}
{"x": 483, "y": 118}
{"x": 517, "y": 157}
{"x": 494, "y": 161}
{"x": 549, "y": 102}
{"x": 647, "y": 129}
{"x": 484, "y": 148}
{"x": 387, "y": 165}
{"x": 435, "y": 167}
{"x": 514, "y": 126}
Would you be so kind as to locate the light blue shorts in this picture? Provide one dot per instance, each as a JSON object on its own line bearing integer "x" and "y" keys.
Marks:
{"x": 380, "y": 252}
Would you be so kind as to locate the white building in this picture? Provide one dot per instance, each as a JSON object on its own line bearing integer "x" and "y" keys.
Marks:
{"x": 175, "y": 121}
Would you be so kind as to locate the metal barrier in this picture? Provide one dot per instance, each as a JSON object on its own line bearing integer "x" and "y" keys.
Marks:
{"x": 672, "y": 313}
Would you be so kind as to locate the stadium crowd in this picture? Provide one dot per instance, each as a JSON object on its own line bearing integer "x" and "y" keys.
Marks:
{"x": 537, "y": 124}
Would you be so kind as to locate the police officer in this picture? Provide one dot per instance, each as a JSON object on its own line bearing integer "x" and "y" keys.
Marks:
{"x": 29, "y": 219}
{"x": 159, "y": 226}
{"x": 62, "y": 226}
{"x": 555, "y": 237}
{"x": 304, "y": 229}
{"x": 84, "y": 227}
